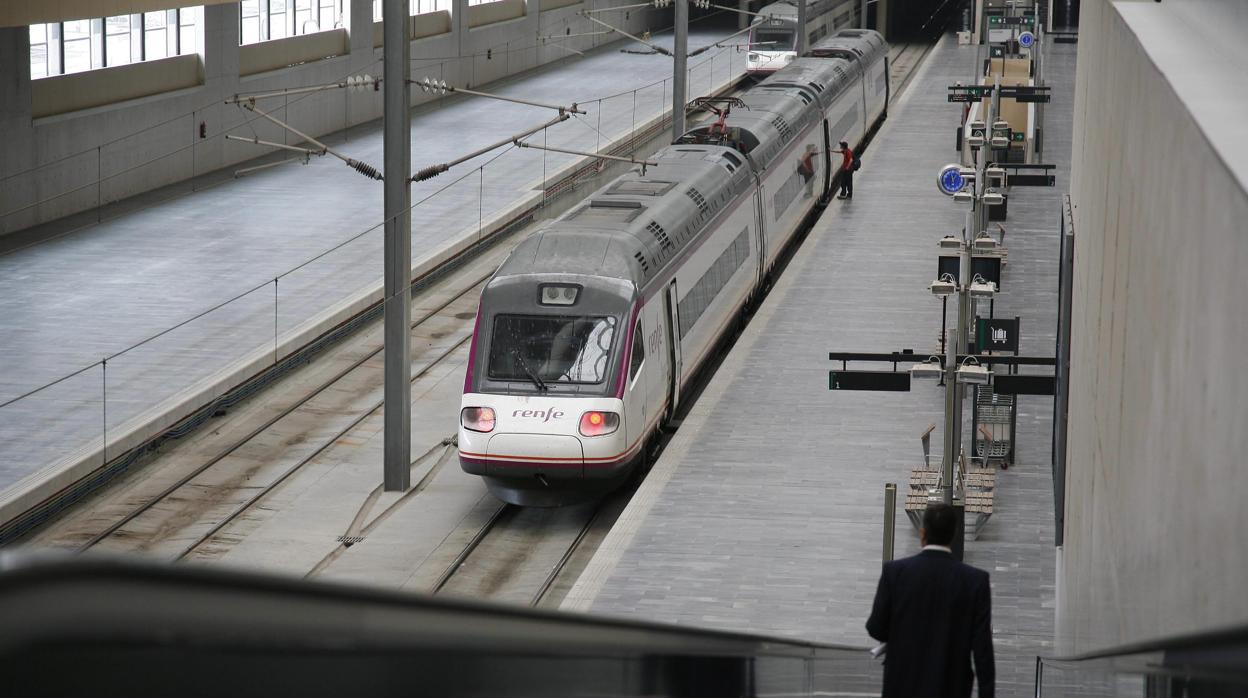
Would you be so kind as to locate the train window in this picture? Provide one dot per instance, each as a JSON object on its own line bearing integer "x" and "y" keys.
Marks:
{"x": 551, "y": 348}
{"x": 766, "y": 39}
{"x": 639, "y": 353}
{"x": 730, "y": 157}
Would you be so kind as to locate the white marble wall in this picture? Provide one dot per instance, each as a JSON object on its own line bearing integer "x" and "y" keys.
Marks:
{"x": 1158, "y": 443}
{"x": 89, "y": 144}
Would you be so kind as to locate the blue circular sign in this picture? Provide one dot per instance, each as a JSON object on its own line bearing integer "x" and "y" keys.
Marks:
{"x": 1026, "y": 39}
{"x": 950, "y": 180}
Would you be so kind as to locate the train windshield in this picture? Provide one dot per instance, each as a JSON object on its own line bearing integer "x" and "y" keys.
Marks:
{"x": 764, "y": 39}
{"x": 551, "y": 348}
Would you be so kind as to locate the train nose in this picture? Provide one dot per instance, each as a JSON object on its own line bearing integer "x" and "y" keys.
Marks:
{"x": 553, "y": 457}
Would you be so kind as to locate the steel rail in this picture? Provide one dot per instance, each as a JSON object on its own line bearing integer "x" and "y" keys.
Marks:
{"x": 268, "y": 423}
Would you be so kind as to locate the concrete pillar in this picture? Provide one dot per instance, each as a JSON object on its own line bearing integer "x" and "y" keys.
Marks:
{"x": 17, "y": 151}
{"x": 219, "y": 52}
{"x": 360, "y": 32}
{"x": 743, "y": 21}
{"x": 463, "y": 44}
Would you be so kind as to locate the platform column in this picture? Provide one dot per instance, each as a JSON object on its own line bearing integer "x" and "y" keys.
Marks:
{"x": 398, "y": 265}
{"x": 680, "y": 66}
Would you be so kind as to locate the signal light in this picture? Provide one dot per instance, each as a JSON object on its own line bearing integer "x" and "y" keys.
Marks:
{"x": 477, "y": 419}
{"x": 599, "y": 423}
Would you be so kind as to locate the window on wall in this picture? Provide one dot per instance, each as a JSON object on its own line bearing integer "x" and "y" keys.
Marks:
{"x": 420, "y": 7}
{"x": 58, "y": 48}
{"x": 263, "y": 20}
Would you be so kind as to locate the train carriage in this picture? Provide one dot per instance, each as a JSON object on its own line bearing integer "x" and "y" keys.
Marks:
{"x": 590, "y": 332}
{"x": 772, "y": 41}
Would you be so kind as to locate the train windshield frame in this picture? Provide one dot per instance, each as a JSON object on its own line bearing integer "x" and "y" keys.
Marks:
{"x": 563, "y": 349}
{"x": 772, "y": 39}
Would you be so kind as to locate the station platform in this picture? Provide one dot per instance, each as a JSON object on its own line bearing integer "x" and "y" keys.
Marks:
{"x": 116, "y": 331}
{"x": 765, "y": 511}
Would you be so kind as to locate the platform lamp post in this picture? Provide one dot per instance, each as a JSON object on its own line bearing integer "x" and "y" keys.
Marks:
{"x": 398, "y": 247}
{"x": 968, "y": 186}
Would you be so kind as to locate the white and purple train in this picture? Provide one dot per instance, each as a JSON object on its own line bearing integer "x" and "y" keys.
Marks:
{"x": 589, "y": 333}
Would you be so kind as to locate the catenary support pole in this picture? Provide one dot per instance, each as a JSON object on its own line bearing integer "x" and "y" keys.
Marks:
{"x": 743, "y": 20}
{"x": 799, "y": 41}
{"x": 680, "y": 63}
{"x": 398, "y": 247}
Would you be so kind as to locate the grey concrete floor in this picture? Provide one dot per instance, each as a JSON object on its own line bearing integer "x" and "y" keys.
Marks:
{"x": 70, "y": 301}
{"x": 765, "y": 512}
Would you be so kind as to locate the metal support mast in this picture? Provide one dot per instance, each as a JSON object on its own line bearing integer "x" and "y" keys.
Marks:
{"x": 799, "y": 43}
{"x": 680, "y": 62}
{"x": 398, "y": 230}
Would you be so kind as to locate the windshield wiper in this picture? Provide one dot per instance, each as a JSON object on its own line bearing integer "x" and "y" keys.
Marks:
{"x": 541, "y": 385}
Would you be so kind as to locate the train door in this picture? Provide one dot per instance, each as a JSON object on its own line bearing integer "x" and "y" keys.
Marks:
{"x": 636, "y": 397}
{"x": 827, "y": 163}
{"x": 672, "y": 308}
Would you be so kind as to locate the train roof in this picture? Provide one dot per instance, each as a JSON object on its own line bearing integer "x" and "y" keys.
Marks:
{"x": 867, "y": 44}
{"x": 632, "y": 226}
{"x": 787, "y": 9}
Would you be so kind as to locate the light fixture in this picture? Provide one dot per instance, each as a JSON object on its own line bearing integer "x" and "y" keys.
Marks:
{"x": 963, "y": 197}
{"x": 975, "y": 141}
{"x": 974, "y": 375}
{"x": 927, "y": 370}
{"x": 981, "y": 288}
{"x": 1000, "y": 125}
{"x": 993, "y": 198}
{"x": 950, "y": 242}
{"x": 977, "y": 124}
{"x": 985, "y": 243}
{"x": 1000, "y": 142}
{"x": 944, "y": 286}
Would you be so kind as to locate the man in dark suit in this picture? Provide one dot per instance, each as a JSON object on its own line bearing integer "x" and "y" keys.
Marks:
{"x": 934, "y": 613}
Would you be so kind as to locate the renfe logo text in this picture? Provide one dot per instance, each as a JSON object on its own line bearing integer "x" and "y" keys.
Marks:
{"x": 544, "y": 415}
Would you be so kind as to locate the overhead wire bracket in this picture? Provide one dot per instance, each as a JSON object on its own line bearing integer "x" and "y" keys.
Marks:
{"x": 435, "y": 170}
{"x": 634, "y": 161}
{"x": 442, "y": 87}
{"x": 362, "y": 167}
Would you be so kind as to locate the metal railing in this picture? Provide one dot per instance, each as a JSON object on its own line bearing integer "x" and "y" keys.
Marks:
{"x": 1203, "y": 665}
{"x": 82, "y": 626}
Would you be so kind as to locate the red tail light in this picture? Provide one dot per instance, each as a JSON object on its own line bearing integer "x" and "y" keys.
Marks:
{"x": 599, "y": 423}
{"x": 477, "y": 419}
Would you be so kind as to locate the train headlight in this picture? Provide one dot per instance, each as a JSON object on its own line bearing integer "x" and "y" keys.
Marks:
{"x": 599, "y": 423}
{"x": 477, "y": 419}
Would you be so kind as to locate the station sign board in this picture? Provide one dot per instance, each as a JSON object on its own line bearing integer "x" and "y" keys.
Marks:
{"x": 996, "y": 334}
{"x": 889, "y": 381}
{"x": 969, "y": 93}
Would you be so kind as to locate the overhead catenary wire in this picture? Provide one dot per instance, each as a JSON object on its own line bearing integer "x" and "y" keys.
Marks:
{"x": 617, "y": 30}
{"x": 442, "y": 87}
{"x": 634, "y": 161}
{"x": 435, "y": 170}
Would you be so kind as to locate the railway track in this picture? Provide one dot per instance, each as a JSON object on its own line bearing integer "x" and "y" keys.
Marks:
{"x": 225, "y": 486}
{"x": 520, "y": 554}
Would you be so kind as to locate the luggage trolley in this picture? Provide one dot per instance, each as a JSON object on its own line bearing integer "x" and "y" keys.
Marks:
{"x": 992, "y": 422}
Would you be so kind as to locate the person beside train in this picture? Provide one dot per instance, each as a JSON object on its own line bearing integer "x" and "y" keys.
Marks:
{"x": 849, "y": 163}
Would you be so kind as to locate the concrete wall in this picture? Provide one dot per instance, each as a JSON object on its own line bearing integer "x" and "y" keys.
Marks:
{"x": 50, "y": 165}
{"x": 1158, "y": 440}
